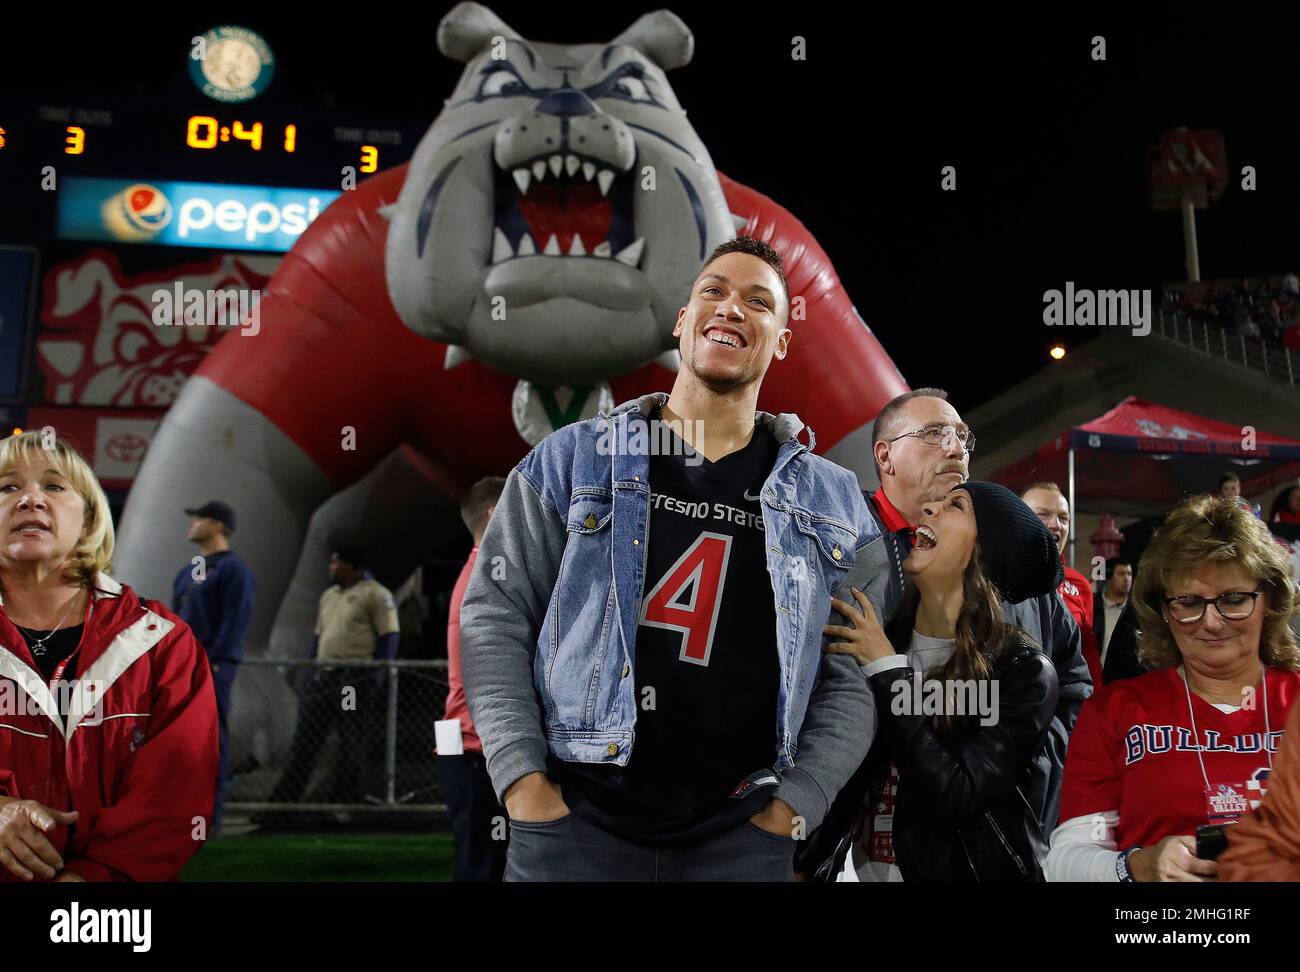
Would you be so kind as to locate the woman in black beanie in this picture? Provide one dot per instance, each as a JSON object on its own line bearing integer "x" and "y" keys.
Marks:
{"x": 963, "y": 700}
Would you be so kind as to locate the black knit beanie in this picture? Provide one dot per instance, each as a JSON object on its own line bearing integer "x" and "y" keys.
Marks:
{"x": 1019, "y": 555}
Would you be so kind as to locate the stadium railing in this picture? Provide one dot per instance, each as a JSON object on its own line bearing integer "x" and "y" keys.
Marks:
{"x": 1252, "y": 353}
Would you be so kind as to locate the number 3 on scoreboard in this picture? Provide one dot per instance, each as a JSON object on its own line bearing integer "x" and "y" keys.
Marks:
{"x": 701, "y": 568}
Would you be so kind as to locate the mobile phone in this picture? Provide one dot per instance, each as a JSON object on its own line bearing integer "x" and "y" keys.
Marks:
{"x": 1211, "y": 841}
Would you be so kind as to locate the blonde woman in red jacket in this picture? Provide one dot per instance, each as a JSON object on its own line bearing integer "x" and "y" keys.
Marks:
{"x": 108, "y": 721}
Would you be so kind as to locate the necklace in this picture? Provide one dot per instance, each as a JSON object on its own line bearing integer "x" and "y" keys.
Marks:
{"x": 1196, "y": 736}
{"x": 38, "y": 644}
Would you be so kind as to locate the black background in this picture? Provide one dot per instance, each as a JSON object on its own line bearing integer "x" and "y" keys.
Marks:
{"x": 1049, "y": 145}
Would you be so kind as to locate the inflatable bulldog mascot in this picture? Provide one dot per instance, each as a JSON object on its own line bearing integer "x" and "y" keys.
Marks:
{"x": 522, "y": 271}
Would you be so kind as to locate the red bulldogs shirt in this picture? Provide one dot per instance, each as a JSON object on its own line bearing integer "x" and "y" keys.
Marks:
{"x": 1133, "y": 750}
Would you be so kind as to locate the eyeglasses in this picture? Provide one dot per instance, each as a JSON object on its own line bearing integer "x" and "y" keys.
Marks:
{"x": 1232, "y": 606}
{"x": 938, "y": 435}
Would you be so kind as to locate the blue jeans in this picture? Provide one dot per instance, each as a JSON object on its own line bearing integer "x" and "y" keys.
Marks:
{"x": 571, "y": 849}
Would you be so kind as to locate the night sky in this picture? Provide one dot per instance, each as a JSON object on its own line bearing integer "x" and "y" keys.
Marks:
{"x": 1049, "y": 145}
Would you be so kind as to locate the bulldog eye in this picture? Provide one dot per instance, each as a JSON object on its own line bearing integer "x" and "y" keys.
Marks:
{"x": 632, "y": 88}
{"x": 500, "y": 83}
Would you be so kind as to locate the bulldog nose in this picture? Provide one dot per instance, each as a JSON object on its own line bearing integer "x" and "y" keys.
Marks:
{"x": 566, "y": 103}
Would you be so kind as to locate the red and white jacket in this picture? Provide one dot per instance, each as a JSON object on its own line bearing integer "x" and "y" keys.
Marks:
{"x": 140, "y": 764}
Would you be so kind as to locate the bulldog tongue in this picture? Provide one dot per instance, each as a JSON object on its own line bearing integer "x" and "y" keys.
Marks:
{"x": 565, "y": 209}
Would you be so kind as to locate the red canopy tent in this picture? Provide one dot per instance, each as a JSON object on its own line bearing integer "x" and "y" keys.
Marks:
{"x": 1141, "y": 458}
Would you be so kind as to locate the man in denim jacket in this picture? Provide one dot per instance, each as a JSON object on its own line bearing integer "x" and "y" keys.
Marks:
{"x": 642, "y": 635}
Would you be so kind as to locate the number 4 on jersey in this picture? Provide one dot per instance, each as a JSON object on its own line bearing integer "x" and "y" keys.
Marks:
{"x": 700, "y": 570}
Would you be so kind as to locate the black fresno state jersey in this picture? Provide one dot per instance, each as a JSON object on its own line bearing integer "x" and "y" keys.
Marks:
{"x": 706, "y": 665}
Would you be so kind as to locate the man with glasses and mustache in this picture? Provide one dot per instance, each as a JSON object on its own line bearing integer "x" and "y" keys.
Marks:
{"x": 922, "y": 450}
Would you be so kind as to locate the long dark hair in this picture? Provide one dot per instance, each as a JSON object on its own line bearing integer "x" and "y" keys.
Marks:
{"x": 983, "y": 631}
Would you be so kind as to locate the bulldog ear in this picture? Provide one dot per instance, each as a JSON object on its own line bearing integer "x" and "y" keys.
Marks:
{"x": 468, "y": 28}
{"x": 661, "y": 36}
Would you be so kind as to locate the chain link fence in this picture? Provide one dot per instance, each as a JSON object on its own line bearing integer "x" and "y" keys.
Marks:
{"x": 362, "y": 743}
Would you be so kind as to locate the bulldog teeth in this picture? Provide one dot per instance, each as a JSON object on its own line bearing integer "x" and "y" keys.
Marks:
{"x": 456, "y": 355}
{"x": 605, "y": 180}
{"x": 576, "y": 248}
{"x": 539, "y": 170}
{"x": 588, "y": 171}
{"x": 500, "y": 247}
{"x": 526, "y": 246}
{"x": 557, "y": 164}
{"x": 522, "y": 179}
{"x": 571, "y": 165}
{"x": 552, "y": 246}
{"x": 631, "y": 255}
{"x": 603, "y": 250}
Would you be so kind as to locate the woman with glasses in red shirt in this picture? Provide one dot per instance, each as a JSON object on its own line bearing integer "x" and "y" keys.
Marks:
{"x": 1191, "y": 743}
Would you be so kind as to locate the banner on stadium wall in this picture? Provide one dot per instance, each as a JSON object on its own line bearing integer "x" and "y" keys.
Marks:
{"x": 99, "y": 342}
{"x": 206, "y": 214}
{"x": 114, "y": 441}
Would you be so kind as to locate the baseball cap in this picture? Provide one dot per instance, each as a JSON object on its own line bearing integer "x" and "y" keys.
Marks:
{"x": 221, "y": 512}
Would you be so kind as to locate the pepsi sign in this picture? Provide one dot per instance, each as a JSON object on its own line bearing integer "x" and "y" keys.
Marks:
{"x": 210, "y": 215}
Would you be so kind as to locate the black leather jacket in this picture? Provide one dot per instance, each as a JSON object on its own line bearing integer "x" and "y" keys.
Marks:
{"x": 962, "y": 812}
{"x": 1048, "y": 621}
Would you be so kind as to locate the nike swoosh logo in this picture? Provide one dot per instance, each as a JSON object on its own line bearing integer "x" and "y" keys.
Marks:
{"x": 752, "y": 499}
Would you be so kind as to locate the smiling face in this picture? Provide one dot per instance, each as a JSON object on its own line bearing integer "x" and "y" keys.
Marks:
{"x": 557, "y": 209}
{"x": 42, "y": 517}
{"x": 734, "y": 323}
{"x": 1052, "y": 508}
{"x": 945, "y": 538}
{"x": 1214, "y": 647}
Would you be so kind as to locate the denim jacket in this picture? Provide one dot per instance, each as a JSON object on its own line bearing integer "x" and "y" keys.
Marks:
{"x": 549, "y": 620}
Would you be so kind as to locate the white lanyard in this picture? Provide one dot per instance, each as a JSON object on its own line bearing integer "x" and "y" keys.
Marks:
{"x": 1196, "y": 734}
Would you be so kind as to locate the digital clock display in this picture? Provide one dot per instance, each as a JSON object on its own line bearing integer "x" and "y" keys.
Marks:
{"x": 204, "y": 132}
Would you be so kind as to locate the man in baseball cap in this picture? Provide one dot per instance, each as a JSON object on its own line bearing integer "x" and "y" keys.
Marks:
{"x": 216, "y": 510}
{"x": 213, "y": 593}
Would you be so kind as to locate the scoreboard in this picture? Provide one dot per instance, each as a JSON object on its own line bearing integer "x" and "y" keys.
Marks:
{"x": 154, "y": 137}
{"x": 203, "y": 176}
{"x": 226, "y": 118}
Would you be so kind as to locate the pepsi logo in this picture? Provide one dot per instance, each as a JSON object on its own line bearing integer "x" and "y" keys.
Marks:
{"x": 148, "y": 208}
{"x": 138, "y": 212}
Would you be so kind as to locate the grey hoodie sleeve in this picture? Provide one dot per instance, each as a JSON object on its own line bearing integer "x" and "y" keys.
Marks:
{"x": 841, "y": 719}
{"x": 1049, "y": 621}
{"x": 505, "y": 603}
